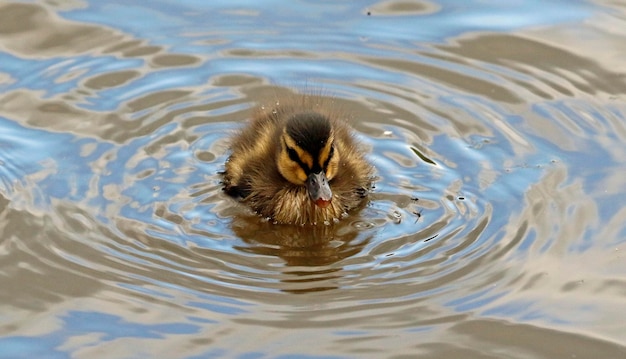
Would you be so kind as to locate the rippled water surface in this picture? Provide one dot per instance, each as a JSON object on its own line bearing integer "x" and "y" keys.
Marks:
{"x": 496, "y": 227}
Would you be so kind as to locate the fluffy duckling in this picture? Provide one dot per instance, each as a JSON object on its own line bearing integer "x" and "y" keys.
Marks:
{"x": 298, "y": 163}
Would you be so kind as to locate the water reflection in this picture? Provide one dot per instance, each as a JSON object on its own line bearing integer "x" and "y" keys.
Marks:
{"x": 495, "y": 226}
{"x": 312, "y": 255}
{"x": 298, "y": 245}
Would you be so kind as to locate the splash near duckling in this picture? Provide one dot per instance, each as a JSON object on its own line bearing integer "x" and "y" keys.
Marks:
{"x": 298, "y": 163}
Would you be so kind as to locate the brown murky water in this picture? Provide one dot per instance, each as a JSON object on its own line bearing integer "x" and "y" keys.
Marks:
{"x": 496, "y": 228}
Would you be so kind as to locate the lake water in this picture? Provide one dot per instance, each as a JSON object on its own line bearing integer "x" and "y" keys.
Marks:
{"x": 496, "y": 229}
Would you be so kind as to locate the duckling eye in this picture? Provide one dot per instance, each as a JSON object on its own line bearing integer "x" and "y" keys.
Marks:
{"x": 293, "y": 155}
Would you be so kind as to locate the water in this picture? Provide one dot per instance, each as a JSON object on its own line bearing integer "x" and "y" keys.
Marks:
{"x": 496, "y": 228}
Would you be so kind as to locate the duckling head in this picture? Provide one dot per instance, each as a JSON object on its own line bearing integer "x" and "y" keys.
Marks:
{"x": 308, "y": 156}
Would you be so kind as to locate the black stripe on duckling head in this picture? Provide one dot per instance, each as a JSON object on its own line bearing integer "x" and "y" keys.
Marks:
{"x": 310, "y": 131}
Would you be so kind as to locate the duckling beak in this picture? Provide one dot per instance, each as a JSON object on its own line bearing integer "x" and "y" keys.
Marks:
{"x": 319, "y": 190}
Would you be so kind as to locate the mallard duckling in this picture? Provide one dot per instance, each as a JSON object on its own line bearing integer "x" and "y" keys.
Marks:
{"x": 298, "y": 163}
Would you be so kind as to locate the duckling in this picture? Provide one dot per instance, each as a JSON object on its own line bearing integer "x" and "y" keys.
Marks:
{"x": 298, "y": 163}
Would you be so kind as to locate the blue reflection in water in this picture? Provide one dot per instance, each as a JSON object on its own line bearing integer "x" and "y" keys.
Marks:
{"x": 41, "y": 346}
{"x": 176, "y": 26}
{"x": 138, "y": 178}
{"x": 349, "y": 20}
{"x": 82, "y": 322}
{"x": 27, "y": 151}
{"x": 96, "y": 322}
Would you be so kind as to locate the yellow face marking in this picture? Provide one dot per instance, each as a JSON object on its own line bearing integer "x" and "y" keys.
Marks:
{"x": 325, "y": 152}
{"x": 291, "y": 170}
{"x": 330, "y": 154}
{"x": 296, "y": 171}
{"x": 333, "y": 165}
{"x": 304, "y": 156}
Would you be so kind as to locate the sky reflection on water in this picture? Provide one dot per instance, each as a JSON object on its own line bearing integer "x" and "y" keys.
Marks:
{"x": 496, "y": 224}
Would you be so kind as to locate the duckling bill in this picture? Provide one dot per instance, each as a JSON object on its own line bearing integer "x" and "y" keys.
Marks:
{"x": 298, "y": 163}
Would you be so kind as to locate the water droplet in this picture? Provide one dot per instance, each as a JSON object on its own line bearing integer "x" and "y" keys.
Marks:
{"x": 362, "y": 225}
